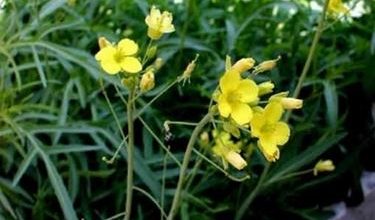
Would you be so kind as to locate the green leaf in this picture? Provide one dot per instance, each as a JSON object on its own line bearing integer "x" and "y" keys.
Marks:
{"x": 330, "y": 96}
{"x": 304, "y": 158}
{"x": 56, "y": 181}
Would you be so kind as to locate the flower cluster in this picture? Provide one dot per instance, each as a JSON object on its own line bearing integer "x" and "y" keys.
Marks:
{"x": 240, "y": 107}
{"x": 123, "y": 56}
{"x": 336, "y": 7}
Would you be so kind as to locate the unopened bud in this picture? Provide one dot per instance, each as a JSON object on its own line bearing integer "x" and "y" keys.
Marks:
{"x": 147, "y": 81}
{"x": 323, "y": 166}
{"x": 291, "y": 103}
{"x": 151, "y": 52}
{"x": 103, "y": 42}
{"x": 128, "y": 82}
{"x": 265, "y": 88}
{"x": 158, "y": 63}
{"x": 243, "y": 65}
{"x": 266, "y": 65}
{"x": 189, "y": 69}
{"x": 235, "y": 160}
{"x": 204, "y": 138}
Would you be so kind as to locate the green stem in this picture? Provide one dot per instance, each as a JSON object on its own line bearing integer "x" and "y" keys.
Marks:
{"x": 182, "y": 174}
{"x": 253, "y": 193}
{"x": 310, "y": 56}
{"x": 129, "y": 185}
{"x": 288, "y": 176}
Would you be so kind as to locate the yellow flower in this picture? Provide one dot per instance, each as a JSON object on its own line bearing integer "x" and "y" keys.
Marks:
{"x": 323, "y": 165}
{"x": 270, "y": 131}
{"x": 114, "y": 59}
{"x": 147, "y": 81}
{"x": 158, "y": 23}
{"x": 337, "y": 7}
{"x": 228, "y": 150}
{"x": 235, "y": 95}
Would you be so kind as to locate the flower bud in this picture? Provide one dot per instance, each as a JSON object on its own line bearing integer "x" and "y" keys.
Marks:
{"x": 235, "y": 160}
{"x": 323, "y": 166}
{"x": 243, "y": 65}
{"x": 189, "y": 69}
{"x": 158, "y": 63}
{"x": 266, "y": 65}
{"x": 291, "y": 103}
{"x": 265, "y": 88}
{"x": 103, "y": 42}
{"x": 128, "y": 82}
{"x": 204, "y": 138}
{"x": 151, "y": 52}
{"x": 147, "y": 81}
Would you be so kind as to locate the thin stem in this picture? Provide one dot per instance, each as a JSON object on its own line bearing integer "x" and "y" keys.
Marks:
{"x": 313, "y": 47}
{"x": 288, "y": 176}
{"x": 129, "y": 185}
{"x": 154, "y": 99}
{"x": 241, "y": 179}
{"x": 253, "y": 193}
{"x": 185, "y": 163}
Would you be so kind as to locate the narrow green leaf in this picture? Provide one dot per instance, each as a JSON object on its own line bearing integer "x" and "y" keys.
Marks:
{"x": 306, "y": 157}
{"x": 330, "y": 96}
{"x": 4, "y": 201}
{"x": 56, "y": 181}
{"x": 39, "y": 67}
{"x": 24, "y": 165}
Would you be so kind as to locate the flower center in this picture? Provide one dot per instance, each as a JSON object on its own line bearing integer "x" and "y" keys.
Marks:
{"x": 268, "y": 128}
{"x": 118, "y": 57}
{"x": 233, "y": 97}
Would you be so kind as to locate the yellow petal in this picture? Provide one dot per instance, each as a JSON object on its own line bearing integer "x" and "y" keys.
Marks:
{"x": 131, "y": 65}
{"x": 273, "y": 112}
{"x": 111, "y": 67}
{"x": 269, "y": 150}
{"x": 224, "y": 107}
{"x": 107, "y": 53}
{"x": 166, "y": 25}
{"x": 127, "y": 47}
{"x": 152, "y": 20}
{"x": 229, "y": 81}
{"x": 241, "y": 113}
{"x": 256, "y": 124}
{"x": 248, "y": 91}
{"x": 281, "y": 134}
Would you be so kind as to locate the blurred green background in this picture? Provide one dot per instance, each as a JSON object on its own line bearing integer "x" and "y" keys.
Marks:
{"x": 55, "y": 124}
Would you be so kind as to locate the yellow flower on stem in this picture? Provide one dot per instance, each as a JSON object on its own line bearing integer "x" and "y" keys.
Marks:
{"x": 269, "y": 130}
{"x": 337, "y": 7}
{"x": 234, "y": 97}
{"x": 159, "y": 23}
{"x": 228, "y": 150}
{"x": 323, "y": 166}
{"x": 120, "y": 57}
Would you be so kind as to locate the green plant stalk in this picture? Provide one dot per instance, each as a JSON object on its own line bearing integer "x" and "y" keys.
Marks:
{"x": 187, "y": 155}
{"x": 129, "y": 182}
{"x": 310, "y": 56}
{"x": 296, "y": 92}
{"x": 253, "y": 193}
